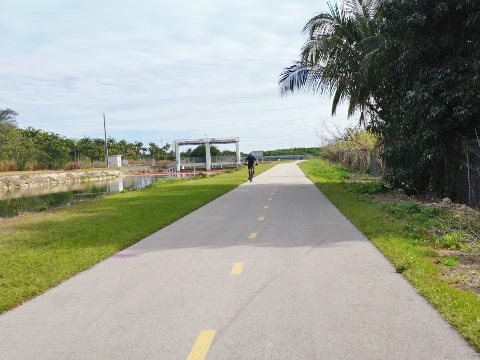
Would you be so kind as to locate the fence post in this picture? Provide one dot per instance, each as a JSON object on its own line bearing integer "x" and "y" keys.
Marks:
{"x": 468, "y": 177}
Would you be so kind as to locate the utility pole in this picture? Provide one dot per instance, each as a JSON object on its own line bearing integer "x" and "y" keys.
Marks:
{"x": 106, "y": 147}
{"x": 75, "y": 150}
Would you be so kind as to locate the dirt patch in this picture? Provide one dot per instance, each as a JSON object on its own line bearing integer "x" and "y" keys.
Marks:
{"x": 465, "y": 275}
{"x": 460, "y": 262}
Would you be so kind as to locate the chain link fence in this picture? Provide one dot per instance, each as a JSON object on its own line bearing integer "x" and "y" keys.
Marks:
{"x": 364, "y": 161}
{"x": 468, "y": 182}
{"x": 464, "y": 183}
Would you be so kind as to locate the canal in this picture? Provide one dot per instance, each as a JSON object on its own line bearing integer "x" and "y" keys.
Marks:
{"x": 15, "y": 202}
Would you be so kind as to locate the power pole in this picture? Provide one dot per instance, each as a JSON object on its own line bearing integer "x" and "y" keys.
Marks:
{"x": 106, "y": 147}
{"x": 75, "y": 150}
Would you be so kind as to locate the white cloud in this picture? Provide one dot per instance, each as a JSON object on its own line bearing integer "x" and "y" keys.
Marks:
{"x": 159, "y": 69}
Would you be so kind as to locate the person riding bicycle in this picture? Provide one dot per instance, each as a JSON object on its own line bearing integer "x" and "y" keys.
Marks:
{"x": 251, "y": 161}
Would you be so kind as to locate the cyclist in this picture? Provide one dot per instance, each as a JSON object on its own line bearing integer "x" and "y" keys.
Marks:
{"x": 251, "y": 161}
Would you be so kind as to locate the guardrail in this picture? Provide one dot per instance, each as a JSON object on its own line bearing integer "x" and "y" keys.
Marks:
{"x": 202, "y": 160}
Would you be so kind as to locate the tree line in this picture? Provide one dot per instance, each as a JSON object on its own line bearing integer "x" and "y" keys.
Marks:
{"x": 314, "y": 151}
{"x": 35, "y": 149}
{"x": 410, "y": 71}
{"x": 200, "y": 151}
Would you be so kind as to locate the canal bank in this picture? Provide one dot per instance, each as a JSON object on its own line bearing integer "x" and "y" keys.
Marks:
{"x": 40, "y": 180}
{"x": 40, "y": 198}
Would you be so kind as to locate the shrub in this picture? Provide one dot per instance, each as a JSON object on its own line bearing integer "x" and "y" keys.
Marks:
{"x": 72, "y": 166}
{"x": 9, "y": 166}
{"x": 451, "y": 240}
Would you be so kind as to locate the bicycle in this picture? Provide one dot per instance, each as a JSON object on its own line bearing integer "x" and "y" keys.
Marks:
{"x": 251, "y": 171}
{"x": 250, "y": 174}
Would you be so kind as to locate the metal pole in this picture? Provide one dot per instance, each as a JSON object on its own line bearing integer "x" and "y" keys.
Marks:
{"x": 237, "y": 150}
{"x": 106, "y": 147}
{"x": 208, "y": 165}
{"x": 75, "y": 150}
{"x": 468, "y": 178}
{"x": 177, "y": 155}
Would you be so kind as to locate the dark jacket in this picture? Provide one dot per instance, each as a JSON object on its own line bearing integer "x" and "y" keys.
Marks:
{"x": 251, "y": 159}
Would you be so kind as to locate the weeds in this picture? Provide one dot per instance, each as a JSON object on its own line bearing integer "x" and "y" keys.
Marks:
{"x": 452, "y": 241}
{"x": 404, "y": 264}
{"x": 449, "y": 261}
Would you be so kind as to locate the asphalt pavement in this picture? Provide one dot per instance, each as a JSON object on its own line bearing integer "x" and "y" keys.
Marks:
{"x": 271, "y": 270}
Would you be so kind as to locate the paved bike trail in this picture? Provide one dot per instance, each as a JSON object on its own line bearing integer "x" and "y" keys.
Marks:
{"x": 271, "y": 270}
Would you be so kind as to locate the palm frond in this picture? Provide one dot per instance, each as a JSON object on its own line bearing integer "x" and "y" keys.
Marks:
{"x": 300, "y": 77}
{"x": 293, "y": 78}
{"x": 340, "y": 95}
{"x": 338, "y": 55}
{"x": 320, "y": 25}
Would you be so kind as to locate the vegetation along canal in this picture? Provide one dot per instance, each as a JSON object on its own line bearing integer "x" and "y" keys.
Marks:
{"x": 15, "y": 202}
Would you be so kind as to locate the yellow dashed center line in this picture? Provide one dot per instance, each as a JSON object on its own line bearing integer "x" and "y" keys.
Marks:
{"x": 261, "y": 218}
{"x": 269, "y": 199}
{"x": 252, "y": 236}
{"x": 266, "y": 207}
{"x": 237, "y": 268}
{"x": 201, "y": 346}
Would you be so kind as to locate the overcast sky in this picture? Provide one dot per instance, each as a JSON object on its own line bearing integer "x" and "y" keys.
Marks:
{"x": 160, "y": 69}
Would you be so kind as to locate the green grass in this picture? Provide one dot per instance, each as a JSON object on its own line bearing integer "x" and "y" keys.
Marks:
{"x": 400, "y": 231}
{"x": 39, "y": 250}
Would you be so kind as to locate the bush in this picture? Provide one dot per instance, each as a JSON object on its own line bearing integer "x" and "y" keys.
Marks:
{"x": 72, "y": 166}
{"x": 452, "y": 241}
{"x": 9, "y": 166}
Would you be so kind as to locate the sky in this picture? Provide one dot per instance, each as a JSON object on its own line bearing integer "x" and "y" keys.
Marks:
{"x": 161, "y": 70}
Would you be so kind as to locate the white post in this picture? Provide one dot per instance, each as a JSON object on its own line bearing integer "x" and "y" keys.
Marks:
{"x": 106, "y": 146}
{"x": 208, "y": 156}
{"x": 177, "y": 154}
{"x": 237, "y": 147}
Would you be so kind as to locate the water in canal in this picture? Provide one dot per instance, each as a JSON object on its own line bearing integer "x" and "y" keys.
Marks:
{"x": 15, "y": 202}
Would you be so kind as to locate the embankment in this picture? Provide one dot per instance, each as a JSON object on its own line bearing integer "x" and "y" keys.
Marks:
{"x": 36, "y": 180}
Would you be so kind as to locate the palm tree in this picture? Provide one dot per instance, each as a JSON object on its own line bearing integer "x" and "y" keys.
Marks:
{"x": 337, "y": 57}
{"x": 153, "y": 149}
{"x": 165, "y": 149}
{"x": 138, "y": 148}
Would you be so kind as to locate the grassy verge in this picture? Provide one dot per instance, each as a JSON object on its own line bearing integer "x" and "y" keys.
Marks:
{"x": 39, "y": 250}
{"x": 403, "y": 233}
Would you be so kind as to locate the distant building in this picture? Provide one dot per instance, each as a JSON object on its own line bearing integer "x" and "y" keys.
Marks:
{"x": 115, "y": 161}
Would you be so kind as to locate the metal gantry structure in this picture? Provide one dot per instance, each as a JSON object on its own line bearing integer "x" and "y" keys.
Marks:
{"x": 207, "y": 142}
